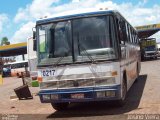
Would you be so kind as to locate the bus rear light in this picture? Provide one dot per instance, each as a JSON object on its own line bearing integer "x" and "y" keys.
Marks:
{"x": 39, "y": 79}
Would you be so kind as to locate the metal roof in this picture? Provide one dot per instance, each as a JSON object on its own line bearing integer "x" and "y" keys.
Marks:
{"x": 13, "y": 49}
{"x": 146, "y": 31}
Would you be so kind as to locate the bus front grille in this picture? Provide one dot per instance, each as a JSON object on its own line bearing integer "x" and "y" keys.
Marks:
{"x": 77, "y": 83}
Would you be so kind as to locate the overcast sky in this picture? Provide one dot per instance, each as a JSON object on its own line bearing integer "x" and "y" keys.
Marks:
{"x": 17, "y": 17}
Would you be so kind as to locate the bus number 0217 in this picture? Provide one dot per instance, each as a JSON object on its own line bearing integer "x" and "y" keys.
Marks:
{"x": 48, "y": 73}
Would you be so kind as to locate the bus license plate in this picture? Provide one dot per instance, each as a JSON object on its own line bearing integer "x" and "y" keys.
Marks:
{"x": 77, "y": 96}
{"x": 48, "y": 72}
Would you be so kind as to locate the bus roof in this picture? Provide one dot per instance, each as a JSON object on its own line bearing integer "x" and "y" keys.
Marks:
{"x": 74, "y": 14}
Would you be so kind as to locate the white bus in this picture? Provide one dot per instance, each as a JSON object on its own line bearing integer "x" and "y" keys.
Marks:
{"x": 92, "y": 56}
{"x": 16, "y": 68}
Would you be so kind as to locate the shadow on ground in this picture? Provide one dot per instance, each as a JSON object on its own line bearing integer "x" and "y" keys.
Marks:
{"x": 105, "y": 108}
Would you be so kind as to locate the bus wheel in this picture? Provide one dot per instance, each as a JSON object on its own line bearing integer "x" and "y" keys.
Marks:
{"x": 122, "y": 101}
{"x": 60, "y": 106}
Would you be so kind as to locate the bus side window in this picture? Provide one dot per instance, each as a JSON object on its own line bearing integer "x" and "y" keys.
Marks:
{"x": 120, "y": 33}
{"x": 123, "y": 35}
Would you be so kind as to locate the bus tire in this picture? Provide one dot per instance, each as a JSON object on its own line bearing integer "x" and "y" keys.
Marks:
{"x": 122, "y": 101}
{"x": 60, "y": 106}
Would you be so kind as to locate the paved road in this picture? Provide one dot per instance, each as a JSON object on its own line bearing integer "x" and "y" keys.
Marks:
{"x": 143, "y": 98}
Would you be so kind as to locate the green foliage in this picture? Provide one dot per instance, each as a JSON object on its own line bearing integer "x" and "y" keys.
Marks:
{"x": 4, "y": 41}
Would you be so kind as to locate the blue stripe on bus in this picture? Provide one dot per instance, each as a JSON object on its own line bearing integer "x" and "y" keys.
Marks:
{"x": 89, "y": 92}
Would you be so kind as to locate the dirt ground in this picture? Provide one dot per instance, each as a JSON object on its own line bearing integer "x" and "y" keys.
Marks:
{"x": 142, "y": 98}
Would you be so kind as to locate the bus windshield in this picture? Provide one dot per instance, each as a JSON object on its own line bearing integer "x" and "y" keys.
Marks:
{"x": 150, "y": 48}
{"x": 77, "y": 40}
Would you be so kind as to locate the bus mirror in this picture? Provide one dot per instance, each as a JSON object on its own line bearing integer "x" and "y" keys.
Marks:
{"x": 34, "y": 40}
{"x": 34, "y": 35}
{"x": 123, "y": 31}
{"x": 34, "y": 45}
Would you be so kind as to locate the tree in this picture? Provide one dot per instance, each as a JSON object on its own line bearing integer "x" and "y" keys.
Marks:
{"x": 4, "y": 41}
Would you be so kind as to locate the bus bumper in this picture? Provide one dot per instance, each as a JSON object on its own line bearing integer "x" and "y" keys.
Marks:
{"x": 81, "y": 94}
{"x": 150, "y": 55}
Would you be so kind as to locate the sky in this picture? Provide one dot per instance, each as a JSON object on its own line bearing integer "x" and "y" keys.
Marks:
{"x": 18, "y": 17}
